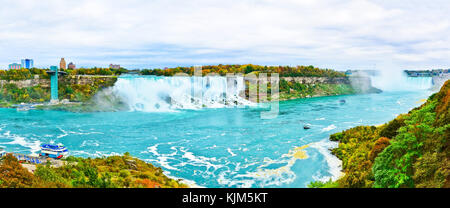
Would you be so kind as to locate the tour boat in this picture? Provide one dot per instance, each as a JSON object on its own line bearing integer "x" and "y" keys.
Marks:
{"x": 54, "y": 151}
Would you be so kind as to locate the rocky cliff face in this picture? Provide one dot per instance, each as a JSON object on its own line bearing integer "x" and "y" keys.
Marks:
{"x": 318, "y": 80}
{"x": 88, "y": 79}
{"x": 27, "y": 83}
{"x": 304, "y": 87}
{"x": 305, "y": 80}
{"x": 70, "y": 79}
{"x": 75, "y": 88}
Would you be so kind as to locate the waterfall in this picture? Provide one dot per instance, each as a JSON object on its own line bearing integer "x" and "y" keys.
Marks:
{"x": 154, "y": 94}
{"x": 395, "y": 80}
{"x": 421, "y": 83}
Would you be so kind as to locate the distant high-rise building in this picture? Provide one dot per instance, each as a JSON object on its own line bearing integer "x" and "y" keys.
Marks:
{"x": 71, "y": 66}
{"x": 62, "y": 64}
{"x": 114, "y": 66}
{"x": 27, "y": 63}
{"x": 15, "y": 66}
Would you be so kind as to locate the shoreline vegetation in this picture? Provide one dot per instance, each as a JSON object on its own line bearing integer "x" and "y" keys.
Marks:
{"x": 77, "y": 96}
{"x": 411, "y": 151}
{"x": 75, "y": 172}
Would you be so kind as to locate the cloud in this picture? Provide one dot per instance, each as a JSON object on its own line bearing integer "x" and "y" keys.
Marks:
{"x": 146, "y": 34}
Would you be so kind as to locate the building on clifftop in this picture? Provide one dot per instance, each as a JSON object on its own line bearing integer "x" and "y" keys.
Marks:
{"x": 71, "y": 66}
{"x": 114, "y": 66}
{"x": 27, "y": 63}
{"x": 62, "y": 64}
{"x": 14, "y": 66}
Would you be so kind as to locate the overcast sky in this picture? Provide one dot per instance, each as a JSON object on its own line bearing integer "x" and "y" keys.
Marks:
{"x": 360, "y": 34}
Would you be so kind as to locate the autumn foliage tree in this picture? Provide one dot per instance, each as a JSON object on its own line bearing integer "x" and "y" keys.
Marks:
{"x": 378, "y": 147}
{"x": 13, "y": 175}
{"x": 146, "y": 183}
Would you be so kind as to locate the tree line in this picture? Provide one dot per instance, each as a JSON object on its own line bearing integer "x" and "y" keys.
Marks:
{"x": 23, "y": 74}
{"x": 283, "y": 71}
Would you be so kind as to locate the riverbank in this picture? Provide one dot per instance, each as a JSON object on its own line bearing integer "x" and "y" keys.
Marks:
{"x": 409, "y": 151}
{"x": 291, "y": 88}
{"x": 74, "y": 172}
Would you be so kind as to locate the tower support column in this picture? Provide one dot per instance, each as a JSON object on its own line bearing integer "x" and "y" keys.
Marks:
{"x": 54, "y": 84}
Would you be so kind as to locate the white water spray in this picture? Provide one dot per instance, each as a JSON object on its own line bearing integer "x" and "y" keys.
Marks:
{"x": 160, "y": 94}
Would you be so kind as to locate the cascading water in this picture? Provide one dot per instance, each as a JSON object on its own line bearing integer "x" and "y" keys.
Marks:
{"x": 155, "y": 94}
{"x": 399, "y": 81}
{"x": 421, "y": 83}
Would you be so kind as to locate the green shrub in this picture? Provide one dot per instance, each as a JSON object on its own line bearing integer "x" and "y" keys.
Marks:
{"x": 328, "y": 184}
{"x": 390, "y": 129}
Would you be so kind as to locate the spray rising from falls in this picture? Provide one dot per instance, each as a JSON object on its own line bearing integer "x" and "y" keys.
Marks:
{"x": 155, "y": 94}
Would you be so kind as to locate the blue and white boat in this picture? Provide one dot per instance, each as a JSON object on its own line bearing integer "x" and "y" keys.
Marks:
{"x": 54, "y": 151}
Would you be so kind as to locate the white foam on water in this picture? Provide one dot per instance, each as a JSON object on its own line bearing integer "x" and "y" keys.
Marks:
{"x": 334, "y": 164}
{"x": 162, "y": 159}
{"x": 62, "y": 135}
{"x": 211, "y": 147}
{"x": 201, "y": 161}
{"x": 94, "y": 143}
{"x": 34, "y": 145}
{"x": 67, "y": 133}
{"x": 223, "y": 180}
{"x": 269, "y": 177}
{"x": 108, "y": 154}
{"x": 329, "y": 128}
{"x": 96, "y": 154}
{"x": 264, "y": 176}
{"x": 231, "y": 153}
